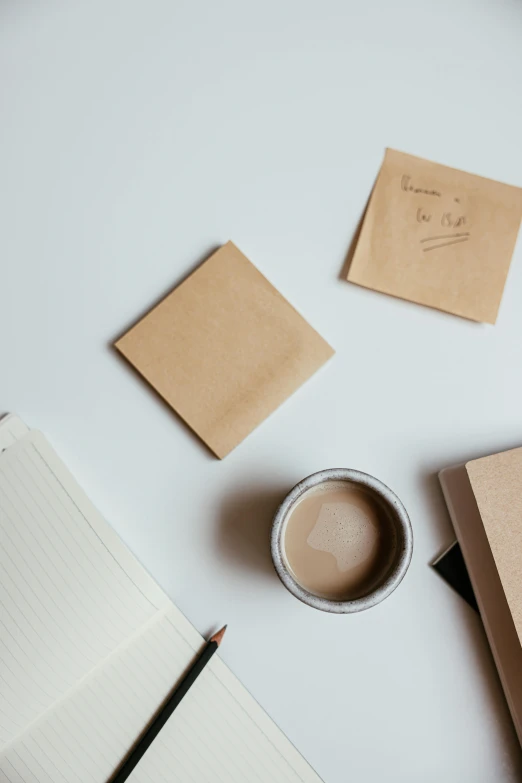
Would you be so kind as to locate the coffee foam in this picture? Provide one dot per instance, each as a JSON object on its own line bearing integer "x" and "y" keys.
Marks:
{"x": 346, "y": 532}
{"x": 338, "y": 540}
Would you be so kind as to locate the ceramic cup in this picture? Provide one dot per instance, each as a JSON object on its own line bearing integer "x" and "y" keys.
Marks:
{"x": 399, "y": 558}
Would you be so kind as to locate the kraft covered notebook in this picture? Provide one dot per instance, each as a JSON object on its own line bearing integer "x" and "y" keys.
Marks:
{"x": 438, "y": 236}
{"x": 90, "y": 647}
{"x": 497, "y": 485}
{"x": 484, "y": 498}
{"x": 224, "y": 349}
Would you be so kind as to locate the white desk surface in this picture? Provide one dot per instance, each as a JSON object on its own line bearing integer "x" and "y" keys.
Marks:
{"x": 135, "y": 137}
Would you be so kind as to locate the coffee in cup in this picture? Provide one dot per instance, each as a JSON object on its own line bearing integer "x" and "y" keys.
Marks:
{"x": 341, "y": 540}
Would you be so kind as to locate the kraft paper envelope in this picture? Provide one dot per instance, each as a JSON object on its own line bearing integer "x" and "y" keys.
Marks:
{"x": 438, "y": 236}
{"x": 497, "y": 485}
{"x": 224, "y": 349}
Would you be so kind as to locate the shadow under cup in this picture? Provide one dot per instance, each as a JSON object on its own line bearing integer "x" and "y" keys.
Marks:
{"x": 395, "y": 542}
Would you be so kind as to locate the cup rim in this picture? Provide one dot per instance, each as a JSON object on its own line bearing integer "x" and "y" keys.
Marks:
{"x": 398, "y": 571}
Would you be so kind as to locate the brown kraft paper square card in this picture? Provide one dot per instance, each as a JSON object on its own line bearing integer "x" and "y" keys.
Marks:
{"x": 224, "y": 349}
{"x": 438, "y": 236}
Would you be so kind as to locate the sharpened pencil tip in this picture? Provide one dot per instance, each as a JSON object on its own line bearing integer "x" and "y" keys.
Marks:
{"x": 218, "y": 637}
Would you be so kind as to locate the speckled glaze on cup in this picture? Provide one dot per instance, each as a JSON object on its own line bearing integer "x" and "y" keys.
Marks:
{"x": 403, "y": 548}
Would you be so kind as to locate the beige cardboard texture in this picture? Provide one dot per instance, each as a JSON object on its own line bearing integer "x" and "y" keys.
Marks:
{"x": 497, "y": 485}
{"x": 224, "y": 349}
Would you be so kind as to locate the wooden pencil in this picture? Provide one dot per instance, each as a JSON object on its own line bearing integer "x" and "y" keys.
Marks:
{"x": 146, "y": 739}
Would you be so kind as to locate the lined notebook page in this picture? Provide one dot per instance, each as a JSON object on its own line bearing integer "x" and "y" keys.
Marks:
{"x": 90, "y": 646}
{"x": 65, "y": 603}
{"x": 11, "y": 429}
{"x": 214, "y": 735}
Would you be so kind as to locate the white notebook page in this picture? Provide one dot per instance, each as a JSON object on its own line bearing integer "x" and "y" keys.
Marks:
{"x": 90, "y": 646}
{"x": 11, "y": 429}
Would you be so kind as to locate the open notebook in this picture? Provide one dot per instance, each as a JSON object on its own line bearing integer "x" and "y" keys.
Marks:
{"x": 90, "y": 646}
